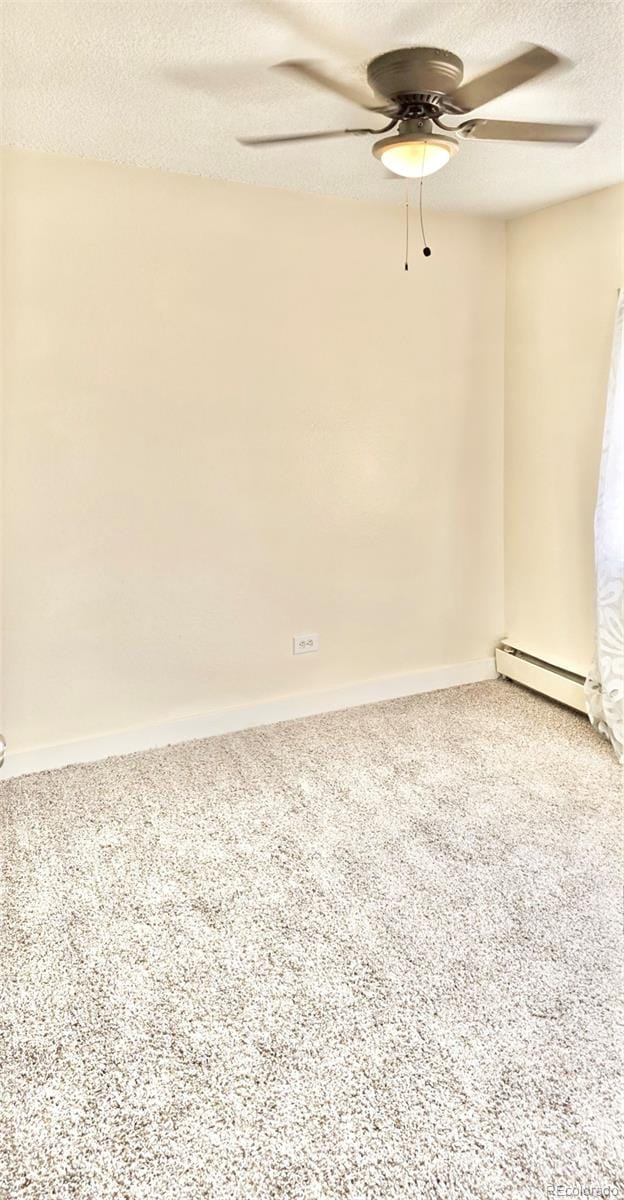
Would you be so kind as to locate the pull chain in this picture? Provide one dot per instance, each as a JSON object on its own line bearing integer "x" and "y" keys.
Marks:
{"x": 426, "y": 249}
{"x": 407, "y": 224}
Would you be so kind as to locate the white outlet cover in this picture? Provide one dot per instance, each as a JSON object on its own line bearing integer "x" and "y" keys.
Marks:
{"x": 306, "y": 643}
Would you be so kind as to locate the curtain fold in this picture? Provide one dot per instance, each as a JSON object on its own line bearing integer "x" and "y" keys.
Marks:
{"x": 604, "y": 689}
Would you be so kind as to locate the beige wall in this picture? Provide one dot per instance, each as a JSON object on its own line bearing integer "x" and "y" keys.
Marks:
{"x": 564, "y": 268}
{"x": 230, "y": 417}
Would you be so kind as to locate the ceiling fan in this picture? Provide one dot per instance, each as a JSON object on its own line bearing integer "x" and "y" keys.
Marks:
{"x": 415, "y": 89}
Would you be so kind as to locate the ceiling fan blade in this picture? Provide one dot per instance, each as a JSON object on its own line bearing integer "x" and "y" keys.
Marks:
{"x": 508, "y": 75}
{"x": 215, "y": 77}
{"x": 299, "y": 137}
{"x": 314, "y": 73}
{"x": 525, "y": 131}
{"x": 300, "y": 21}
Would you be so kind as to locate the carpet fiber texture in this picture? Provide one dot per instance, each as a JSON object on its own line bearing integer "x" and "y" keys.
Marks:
{"x": 368, "y": 954}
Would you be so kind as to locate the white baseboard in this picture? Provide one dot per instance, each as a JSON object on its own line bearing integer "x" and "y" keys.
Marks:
{"x": 227, "y": 720}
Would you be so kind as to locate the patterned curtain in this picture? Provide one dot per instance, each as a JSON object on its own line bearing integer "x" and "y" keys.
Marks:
{"x": 604, "y": 689}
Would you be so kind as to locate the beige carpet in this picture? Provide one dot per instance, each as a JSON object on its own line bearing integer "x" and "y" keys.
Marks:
{"x": 370, "y": 954}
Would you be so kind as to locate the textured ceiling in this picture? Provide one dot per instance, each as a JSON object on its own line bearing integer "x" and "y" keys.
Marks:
{"x": 99, "y": 78}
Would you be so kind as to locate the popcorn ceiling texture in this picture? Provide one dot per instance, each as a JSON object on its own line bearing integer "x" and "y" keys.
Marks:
{"x": 100, "y": 80}
{"x": 368, "y": 954}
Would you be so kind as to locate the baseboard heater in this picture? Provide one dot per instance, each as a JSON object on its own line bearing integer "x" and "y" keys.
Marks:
{"x": 540, "y": 676}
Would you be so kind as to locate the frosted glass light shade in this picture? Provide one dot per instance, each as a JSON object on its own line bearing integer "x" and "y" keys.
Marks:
{"x": 414, "y": 157}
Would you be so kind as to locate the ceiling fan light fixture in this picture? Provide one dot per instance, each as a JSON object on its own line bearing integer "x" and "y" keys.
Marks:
{"x": 415, "y": 154}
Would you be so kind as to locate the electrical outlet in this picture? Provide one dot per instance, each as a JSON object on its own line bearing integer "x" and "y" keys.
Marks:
{"x": 306, "y": 643}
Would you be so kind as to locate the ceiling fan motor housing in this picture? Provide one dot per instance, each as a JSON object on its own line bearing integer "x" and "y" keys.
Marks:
{"x": 419, "y": 71}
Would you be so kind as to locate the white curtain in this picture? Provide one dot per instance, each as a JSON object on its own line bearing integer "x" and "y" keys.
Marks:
{"x": 604, "y": 689}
